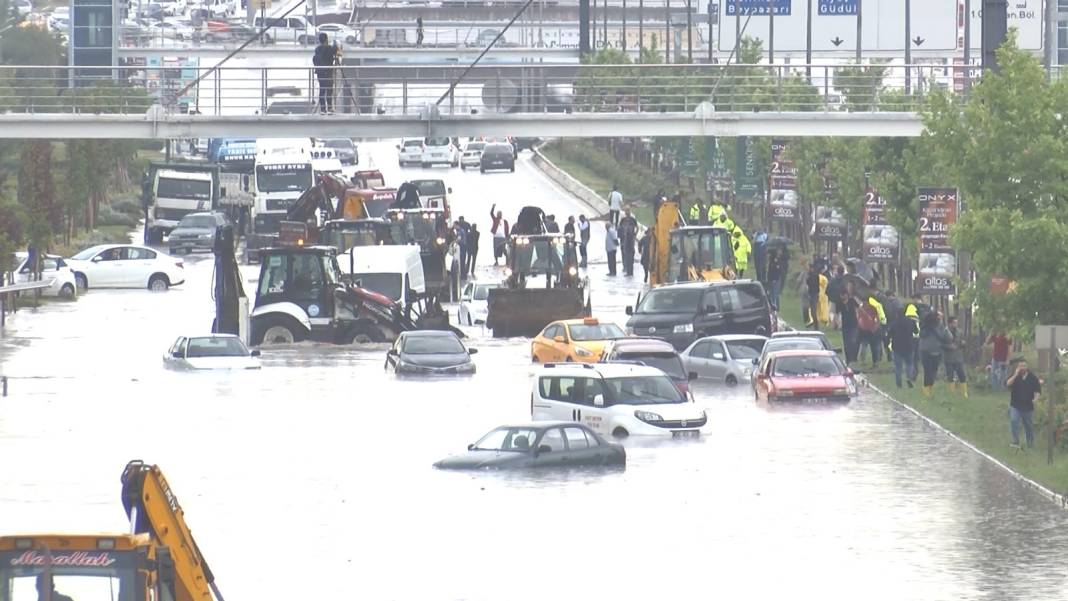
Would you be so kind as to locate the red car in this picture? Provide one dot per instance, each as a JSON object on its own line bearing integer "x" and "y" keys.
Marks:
{"x": 807, "y": 376}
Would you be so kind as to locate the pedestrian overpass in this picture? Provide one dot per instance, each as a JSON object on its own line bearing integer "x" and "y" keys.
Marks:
{"x": 187, "y": 101}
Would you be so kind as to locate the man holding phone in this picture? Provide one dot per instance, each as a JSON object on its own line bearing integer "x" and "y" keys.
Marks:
{"x": 1024, "y": 386}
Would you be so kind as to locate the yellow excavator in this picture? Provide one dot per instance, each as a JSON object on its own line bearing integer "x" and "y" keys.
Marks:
{"x": 688, "y": 253}
{"x": 158, "y": 561}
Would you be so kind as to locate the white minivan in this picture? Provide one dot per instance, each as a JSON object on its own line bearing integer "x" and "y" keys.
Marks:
{"x": 439, "y": 150}
{"x": 617, "y": 399}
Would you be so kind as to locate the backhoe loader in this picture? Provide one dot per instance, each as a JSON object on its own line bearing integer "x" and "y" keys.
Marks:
{"x": 158, "y": 561}
{"x": 688, "y": 253}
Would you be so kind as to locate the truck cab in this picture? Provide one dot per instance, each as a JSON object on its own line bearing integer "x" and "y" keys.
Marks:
{"x": 395, "y": 272}
{"x": 176, "y": 191}
{"x": 700, "y": 253}
{"x": 280, "y": 178}
{"x": 433, "y": 194}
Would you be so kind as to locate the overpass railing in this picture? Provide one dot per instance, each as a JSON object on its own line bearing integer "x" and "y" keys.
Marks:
{"x": 382, "y": 90}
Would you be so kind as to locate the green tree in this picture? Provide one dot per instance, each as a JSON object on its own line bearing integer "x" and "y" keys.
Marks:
{"x": 37, "y": 194}
{"x": 1006, "y": 150}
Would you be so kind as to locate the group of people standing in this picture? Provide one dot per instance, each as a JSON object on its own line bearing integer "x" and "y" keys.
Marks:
{"x": 621, "y": 236}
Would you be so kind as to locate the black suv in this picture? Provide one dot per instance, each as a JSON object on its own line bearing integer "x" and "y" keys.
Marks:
{"x": 682, "y": 313}
{"x": 497, "y": 156}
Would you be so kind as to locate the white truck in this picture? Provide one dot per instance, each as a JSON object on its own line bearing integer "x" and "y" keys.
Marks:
{"x": 282, "y": 171}
{"x": 173, "y": 191}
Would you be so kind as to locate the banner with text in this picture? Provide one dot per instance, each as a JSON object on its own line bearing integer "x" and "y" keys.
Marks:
{"x": 828, "y": 223}
{"x": 882, "y": 243}
{"x": 748, "y": 181}
{"x": 782, "y": 182}
{"x": 938, "y": 259}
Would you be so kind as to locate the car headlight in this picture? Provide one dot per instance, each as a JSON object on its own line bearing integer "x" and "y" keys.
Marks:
{"x": 572, "y": 271}
{"x": 684, "y": 329}
{"x": 648, "y": 416}
{"x": 581, "y": 352}
{"x": 839, "y": 391}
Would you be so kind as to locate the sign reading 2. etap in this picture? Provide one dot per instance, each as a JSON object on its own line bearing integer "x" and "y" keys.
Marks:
{"x": 837, "y": 8}
{"x": 757, "y": 7}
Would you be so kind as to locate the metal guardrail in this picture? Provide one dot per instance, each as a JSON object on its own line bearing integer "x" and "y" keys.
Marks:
{"x": 489, "y": 89}
{"x": 24, "y": 286}
{"x": 5, "y": 298}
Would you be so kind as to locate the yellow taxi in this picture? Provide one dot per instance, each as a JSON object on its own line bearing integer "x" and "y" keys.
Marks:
{"x": 579, "y": 340}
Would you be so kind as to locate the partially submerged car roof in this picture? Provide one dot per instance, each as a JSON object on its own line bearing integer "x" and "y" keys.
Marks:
{"x": 642, "y": 345}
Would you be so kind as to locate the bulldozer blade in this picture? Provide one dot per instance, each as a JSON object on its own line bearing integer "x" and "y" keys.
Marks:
{"x": 524, "y": 312}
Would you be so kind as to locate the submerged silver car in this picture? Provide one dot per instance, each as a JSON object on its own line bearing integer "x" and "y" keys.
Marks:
{"x": 727, "y": 358}
{"x": 196, "y": 231}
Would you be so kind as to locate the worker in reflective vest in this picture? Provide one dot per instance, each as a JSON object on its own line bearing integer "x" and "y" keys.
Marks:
{"x": 742, "y": 249}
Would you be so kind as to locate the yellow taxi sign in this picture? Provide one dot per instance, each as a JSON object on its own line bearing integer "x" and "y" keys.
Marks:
{"x": 590, "y": 321}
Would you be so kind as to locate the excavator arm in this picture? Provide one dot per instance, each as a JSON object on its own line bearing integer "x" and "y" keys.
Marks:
{"x": 153, "y": 509}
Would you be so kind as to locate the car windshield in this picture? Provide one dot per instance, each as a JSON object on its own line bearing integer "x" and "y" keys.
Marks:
{"x": 295, "y": 177}
{"x": 437, "y": 141}
{"x": 432, "y": 345}
{"x": 668, "y": 363}
{"x": 806, "y": 367}
{"x": 540, "y": 256}
{"x": 197, "y": 221}
{"x": 671, "y": 300}
{"x": 603, "y": 331}
{"x": 745, "y": 349}
{"x": 793, "y": 344}
{"x": 86, "y": 585}
{"x": 642, "y": 390}
{"x": 88, "y": 253}
{"x": 388, "y": 284}
{"x": 413, "y": 143}
{"x": 518, "y": 440}
{"x": 474, "y": 146}
{"x": 342, "y": 143}
{"x": 215, "y": 347}
{"x": 482, "y": 292}
{"x": 168, "y": 187}
{"x": 430, "y": 187}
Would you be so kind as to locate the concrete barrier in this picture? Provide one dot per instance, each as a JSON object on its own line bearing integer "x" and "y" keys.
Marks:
{"x": 598, "y": 206}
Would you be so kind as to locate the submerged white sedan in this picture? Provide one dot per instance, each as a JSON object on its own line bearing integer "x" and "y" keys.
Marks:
{"x": 217, "y": 351}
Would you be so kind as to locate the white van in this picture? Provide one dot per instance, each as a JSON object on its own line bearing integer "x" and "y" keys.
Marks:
{"x": 289, "y": 29}
{"x": 393, "y": 271}
{"x": 615, "y": 399}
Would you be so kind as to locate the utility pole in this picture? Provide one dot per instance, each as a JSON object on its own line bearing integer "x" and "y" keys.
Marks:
{"x": 1051, "y": 35}
{"x": 584, "y": 27}
{"x": 593, "y": 22}
{"x": 624, "y": 33}
{"x": 641, "y": 28}
{"x": 908, "y": 47}
{"x": 771, "y": 32}
{"x": 689, "y": 31}
{"x": 667, "y": 31}
{"x": 604, "y": 24}
{"x": 808, "y": 41}
{"x": 710, "y": 57}
{"x": 860, "y": 30}
{"x": 968, "y": 46}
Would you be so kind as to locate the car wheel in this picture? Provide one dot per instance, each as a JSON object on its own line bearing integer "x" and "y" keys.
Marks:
{"x": 302, "y": 40}
{"x": 363, "y": 333}
{"x": 81, "y": 281}
{"x": 512, "y": 168}
{"x": 482, "y": 169}
{"x": 67, "y": 291}
{"x": 158, "y": 283}
{"x": 276, "y": 329}
{"x": 731, "y": 380}
{"x": 620, "y": 432}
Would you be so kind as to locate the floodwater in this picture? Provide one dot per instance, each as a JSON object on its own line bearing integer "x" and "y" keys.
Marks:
{"x": 312, "y": 477}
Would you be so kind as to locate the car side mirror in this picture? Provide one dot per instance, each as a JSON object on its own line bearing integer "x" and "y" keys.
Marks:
{"x": 449, "y": 190}
{"x": 718, "y": 356}
{"x": 691, "y": 376}
{"x": 471, "y": 447}
{"x": 837, "y": 350}
{"x": 255, "y": 353}
{"x": 756, "y": 360}
{"x": 849, "y": 372}
{"x": 598, "y": 400}
{"x": 472, "y": 351}
{"x": 97, "y": 259}
{"x": 559, "y": 339}
{"x": 398, "y": 146}
{"x": 630, "y": 310}
{"x": 177, "y": 354}
{"x": 544, "y": 449}
{"x": 392, "y": 352}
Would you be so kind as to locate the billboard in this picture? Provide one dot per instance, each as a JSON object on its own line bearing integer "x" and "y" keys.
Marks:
{"x": 882, "y": 242}
{"x": 834, "y": 25}
{"x": 828, "y": 223}
{"x": 782, "y": 183}
{"x": 748, "y": 182}
{"x": 1024, "y": 15}
{"x": 938, "y": 259}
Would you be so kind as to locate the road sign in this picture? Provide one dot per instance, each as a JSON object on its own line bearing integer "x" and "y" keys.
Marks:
{"x": 934, "y": 26}
{"x": 1050, "y": 338}
{"x": 756, "y": 7}
{"x": 1024, "y": 15}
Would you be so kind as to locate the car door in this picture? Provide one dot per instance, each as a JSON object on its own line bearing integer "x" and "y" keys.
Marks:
{"x": 106, "y": 268}
{"x": 588, "y": 412}
{"x": 139, "y": 265}
{"x": 552, "y": 449}
{"x": 559, "y": 402}
{"x": 717, "y": 360}
{"x": 698, "y": 359}
{"x": 711, "y": 315}
{"x": 464, "y": 315}
{"x": 582, "y": 449}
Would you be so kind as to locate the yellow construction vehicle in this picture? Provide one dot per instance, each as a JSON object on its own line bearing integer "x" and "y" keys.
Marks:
{"x": 159, "y": 561}
{"x": 688, "y": 253}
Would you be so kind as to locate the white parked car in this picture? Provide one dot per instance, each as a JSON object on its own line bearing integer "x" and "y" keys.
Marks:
{"x": 410, "y": 152}
{"x": 179, "y": 30}
{"x": 339, "y": 33}
{"x": 474, "y": 303}
{"x": 615, "y": 399}
{"x": 52, "y": 268}
{"x": 217, "y": 351}
{"x": 438, "y": 150}
{"x": 472, "y": 155}
{"x": 126, "y": 266}
{"x": 727, "y": 359}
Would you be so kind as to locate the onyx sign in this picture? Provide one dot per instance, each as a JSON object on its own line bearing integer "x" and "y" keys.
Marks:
{"x": 782, "y": 182}
{"x": 938, "y": 259}
{"x": 882, "y": 243}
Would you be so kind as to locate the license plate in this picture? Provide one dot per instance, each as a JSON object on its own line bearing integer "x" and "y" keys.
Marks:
{"x": 685, "y": 433}
{"x": 815, "y": 400}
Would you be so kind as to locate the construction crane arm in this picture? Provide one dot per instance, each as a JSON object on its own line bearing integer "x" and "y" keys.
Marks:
{"x": 153, "y": 509}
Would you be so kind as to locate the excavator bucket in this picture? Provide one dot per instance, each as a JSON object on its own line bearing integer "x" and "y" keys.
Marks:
{"x": 525, "y": 311}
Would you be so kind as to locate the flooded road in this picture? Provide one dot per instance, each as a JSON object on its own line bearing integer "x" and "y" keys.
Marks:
{"x": 311, "y": 478}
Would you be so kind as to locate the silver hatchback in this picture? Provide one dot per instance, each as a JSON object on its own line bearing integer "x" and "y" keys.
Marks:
{"x": 727, "y": 358}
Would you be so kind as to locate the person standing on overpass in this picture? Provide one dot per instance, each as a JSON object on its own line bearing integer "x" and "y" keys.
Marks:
{"x": 324, "y": 59}
{"x": 419, "y": 31}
